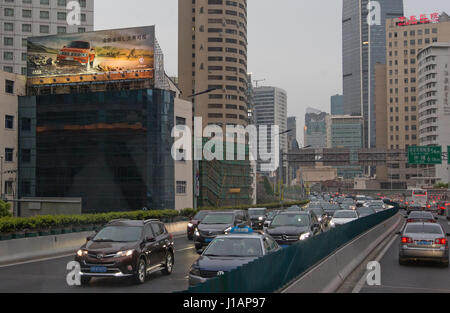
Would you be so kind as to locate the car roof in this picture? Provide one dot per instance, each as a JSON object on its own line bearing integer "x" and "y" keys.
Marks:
{"x": 124, "y": 222}
{"x": 345, "y": 211}
{"x": 242, "y": 235}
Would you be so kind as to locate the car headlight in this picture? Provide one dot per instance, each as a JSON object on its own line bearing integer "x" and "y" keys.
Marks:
{"x": 320, "y": 219}
{"x": 332, "y": 223}
{"x": 226, "y": 231}
{"x": 190, "y": 225}
{"x": 305, "y": 236}
{"x": 197, "y": 233}
{"x": 81, "y": 253}
{"x": 121, "y": 254}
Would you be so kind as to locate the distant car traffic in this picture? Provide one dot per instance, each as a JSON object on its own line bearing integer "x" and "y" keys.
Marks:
{"x": 228, "y": 252}
{"x": 257, "y": 217}
{"x": 421, "y": 217}
{"x": 218, "y": 223}
{"x": 270, "y": 216}
{"x": 193, "y": 223}
{"x": 365, "y": 211}
{"x": 415, "y": 207}
{"x": 294, "y": 208}
{"x": 423, "y": 241}
{"x": 331, "y": 208}
{"x": 288, "y": 228}
{"x": 343, "y": 217}
{"x": 125, "y": 248}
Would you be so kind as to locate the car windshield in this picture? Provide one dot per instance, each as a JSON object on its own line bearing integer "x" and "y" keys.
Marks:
{"x": 200, "y": 215}
{"x": 423, "y": 229}
{"x": 294, "y": 208}
{"x": 298, "y": 220}
{"x": 79, "y": 45}
{"x": 366, "y": 211}
{"x": 256, "y": 212}
{"x": 119, "y": 234}
{"x": 421, "y": 215}
{"x": 345, "y": 215}
{"x": 225, "y": 218}
{"x": 234, "y": 247}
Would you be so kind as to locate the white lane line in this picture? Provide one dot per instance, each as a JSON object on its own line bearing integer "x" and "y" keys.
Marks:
{"x": 190, "y": 248}
{"x": 39, "y": 260}
{"x": 362, "y": 281}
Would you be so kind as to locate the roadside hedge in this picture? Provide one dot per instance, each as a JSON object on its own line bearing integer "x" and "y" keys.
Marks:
{"x": 47, "y": 222}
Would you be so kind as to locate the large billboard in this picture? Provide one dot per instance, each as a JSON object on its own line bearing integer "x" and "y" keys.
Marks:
{"x": 95, "y": 56}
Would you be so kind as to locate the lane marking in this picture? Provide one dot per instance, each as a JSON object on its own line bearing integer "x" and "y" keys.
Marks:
{"x": 39, "y": 260}
{"x": 189, "y": 248}
{"x": 362, "y": 281}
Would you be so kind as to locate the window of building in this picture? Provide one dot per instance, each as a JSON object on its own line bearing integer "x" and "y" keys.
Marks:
{"x": 9, "y": 154}
{"x": 181, "y": 187}
{"x": 9, "y": 86}
{"x": 9, "y": 121}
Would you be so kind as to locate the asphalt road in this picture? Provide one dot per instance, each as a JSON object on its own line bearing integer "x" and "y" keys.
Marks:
{"x": 416, "y": 277}
{"x": 49, "y": 276}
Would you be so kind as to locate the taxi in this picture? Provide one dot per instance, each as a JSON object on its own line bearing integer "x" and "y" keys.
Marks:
{"x": 228, "y": 252}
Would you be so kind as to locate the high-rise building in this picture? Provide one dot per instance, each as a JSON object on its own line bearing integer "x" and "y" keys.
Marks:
{"x": 345, "y": 132}
{"x": 212, "y": 49}
{"x": 364, "y": 46}
{"x": 292, "y": 135}
{"x": 337, "y": 105}
{"x": 434, "y": 106}
{"x": 405, "y": 38}
{"x": 30, "y": 18}
{"x": 11, "y": 87}
{"x": 270, "y": 108}
{"x": 315, "y": 129}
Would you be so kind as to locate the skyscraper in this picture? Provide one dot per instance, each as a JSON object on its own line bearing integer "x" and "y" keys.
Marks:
{"x": 337, "y": 105}
{"x": 30, "y": 18}
{"x": 315, "y": 128}
{"x": 292, "y": 135}
{"x": 270, "y": 108}
{"x": 364, "y": 46}
{"x": 212, "y": 48}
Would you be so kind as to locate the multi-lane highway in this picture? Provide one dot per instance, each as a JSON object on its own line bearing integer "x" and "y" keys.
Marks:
{"x": 423, "y": 277}
{"x": 50, "y": 276}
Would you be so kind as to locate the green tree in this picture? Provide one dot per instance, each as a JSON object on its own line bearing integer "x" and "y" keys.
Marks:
{"x": 5, "y": 209}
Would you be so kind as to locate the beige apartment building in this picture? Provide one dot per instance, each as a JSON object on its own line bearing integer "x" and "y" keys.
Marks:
{"x": 212, "y": 48}
{"x": 11, "y": 86}
{"x": 404, "y": 40}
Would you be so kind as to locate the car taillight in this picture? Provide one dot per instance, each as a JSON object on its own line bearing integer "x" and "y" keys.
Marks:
{"x": 410, "y": 220}
{"x": 441, "y": 241}
{"x": 432, "y": 221}
{"x": 170, "y": 236}
{"x": 406, "y": 240}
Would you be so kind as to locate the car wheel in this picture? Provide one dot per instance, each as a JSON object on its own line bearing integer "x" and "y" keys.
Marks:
{"x": 141, "y": 272}
{"x": 402, "y": 261}
{"x": 445, "y": 263}
{"x": 168, "y": 266}
{"x": 85, "y": 280}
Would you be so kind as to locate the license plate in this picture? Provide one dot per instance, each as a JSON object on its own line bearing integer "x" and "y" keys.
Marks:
{"x": 284, "y": 246}
{"x": 208, "y": 240}
{"x": 423, "y": 243}
{"x": 98, "y": 269}
{"x": 69, "y": 59}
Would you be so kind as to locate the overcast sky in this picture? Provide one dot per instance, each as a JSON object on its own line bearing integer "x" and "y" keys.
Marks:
{"x": 293, "y": 44}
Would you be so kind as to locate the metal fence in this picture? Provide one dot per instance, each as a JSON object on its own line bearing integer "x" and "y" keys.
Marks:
{"x": 273, "y": 272}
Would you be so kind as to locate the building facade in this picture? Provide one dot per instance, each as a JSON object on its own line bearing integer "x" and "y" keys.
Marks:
{"x": 364, "y": 46}
{"x": 30, "y": 18}
{"x": 404, "y": 41}
{"x": 292, "y": 135}
{"x": 345, "y": 131}
{"x": 315, "y": 129}
{"x": 434, "y": 107}
{"x": 212, "y": 52}
{"x": 337, "y": 105}
{"x": 270, "y": 108}
{"x": 11, "y": 87}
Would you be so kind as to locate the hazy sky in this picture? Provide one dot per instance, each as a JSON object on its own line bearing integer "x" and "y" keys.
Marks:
{"x": 293, "y": 44}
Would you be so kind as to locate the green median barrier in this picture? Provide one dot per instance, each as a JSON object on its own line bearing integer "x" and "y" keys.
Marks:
{"x": 277, "y": 270}
{"x": 6, "y": 236}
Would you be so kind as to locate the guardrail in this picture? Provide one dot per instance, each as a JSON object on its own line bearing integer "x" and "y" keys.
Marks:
{"x": 275, "y": 271}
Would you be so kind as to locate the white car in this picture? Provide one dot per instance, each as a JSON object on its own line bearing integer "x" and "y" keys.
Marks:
{"x": 343, "y": 217}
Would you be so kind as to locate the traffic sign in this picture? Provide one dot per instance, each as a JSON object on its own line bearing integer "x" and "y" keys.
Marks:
{"x": 425, "y": 155}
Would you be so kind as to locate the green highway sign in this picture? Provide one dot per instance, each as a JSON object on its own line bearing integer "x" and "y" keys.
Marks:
{"x": 425, "y": 155}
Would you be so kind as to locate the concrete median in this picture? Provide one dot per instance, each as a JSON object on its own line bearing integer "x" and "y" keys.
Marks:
{"x": 28, "y": 249}
{"x": 328, "y": 275}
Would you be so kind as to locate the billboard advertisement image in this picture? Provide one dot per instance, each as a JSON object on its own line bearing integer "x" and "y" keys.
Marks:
{"x": 93, "y": 56}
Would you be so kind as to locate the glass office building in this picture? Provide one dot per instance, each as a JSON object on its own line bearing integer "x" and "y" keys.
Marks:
{"x": 363, "y": 46}
{"x": 112, "y": 149}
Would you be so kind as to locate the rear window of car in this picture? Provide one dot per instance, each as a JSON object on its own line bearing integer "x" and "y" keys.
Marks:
{"x": 421, "y": 215}
{"x": 423, "y": 229}
{"x": 345, "y": 215}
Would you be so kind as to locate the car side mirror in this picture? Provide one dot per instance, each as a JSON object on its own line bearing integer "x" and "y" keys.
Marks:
{"x": 199, "y": 252}
{"x": 89, "y": 238}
